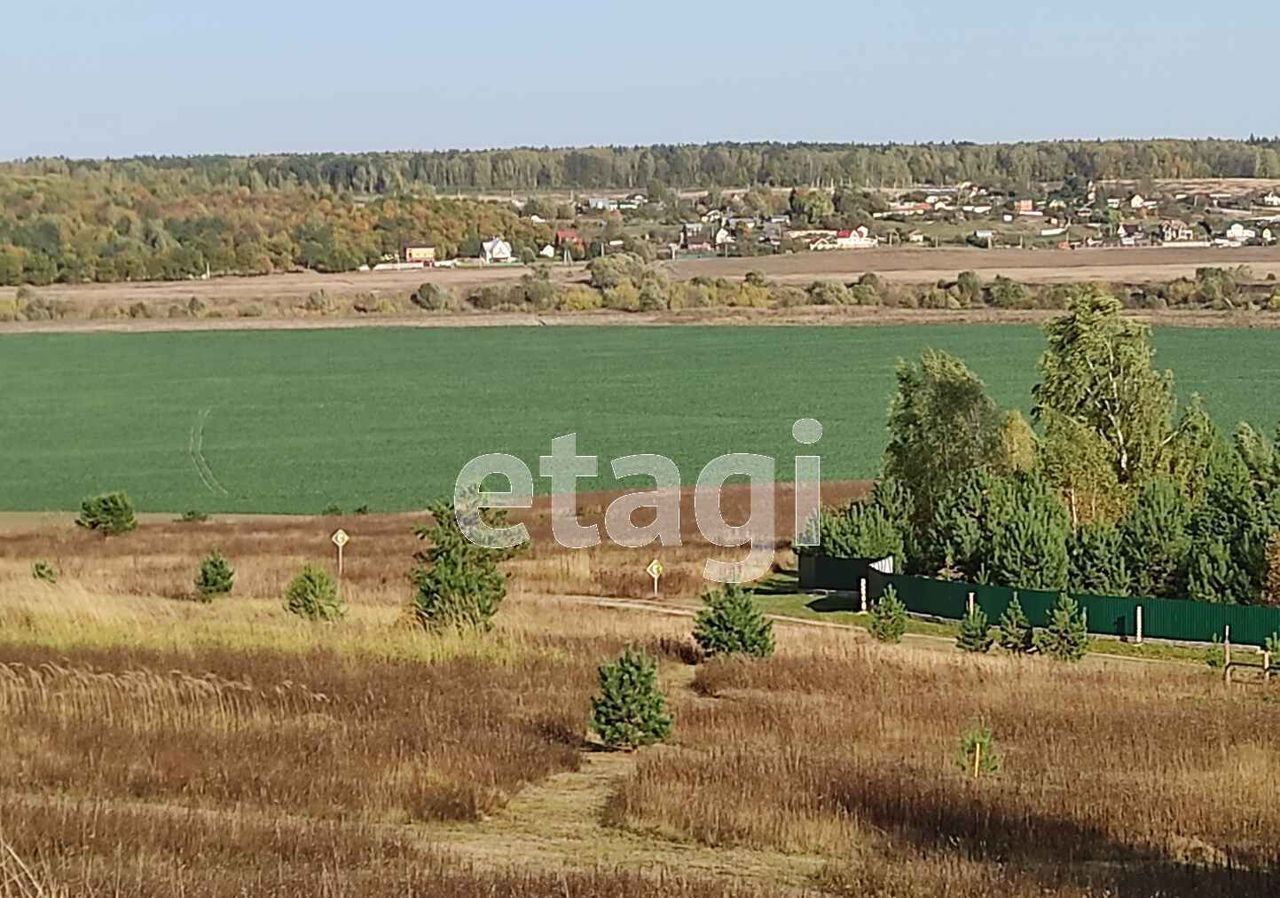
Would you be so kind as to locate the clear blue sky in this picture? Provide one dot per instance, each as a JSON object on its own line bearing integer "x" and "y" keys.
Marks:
{"x": 139, "y": 76}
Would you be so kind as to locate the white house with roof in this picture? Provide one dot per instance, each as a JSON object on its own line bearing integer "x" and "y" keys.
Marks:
{"x": 1238, "y": 233}
{"x": 495, "y": 251}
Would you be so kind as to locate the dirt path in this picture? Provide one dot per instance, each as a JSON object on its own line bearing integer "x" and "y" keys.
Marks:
{"x": 559, "y": 824}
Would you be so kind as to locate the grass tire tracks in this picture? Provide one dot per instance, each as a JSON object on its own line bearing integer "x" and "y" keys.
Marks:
{"x": 195, "y": 451}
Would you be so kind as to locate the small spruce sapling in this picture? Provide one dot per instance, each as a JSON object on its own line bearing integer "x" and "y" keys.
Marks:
{"x": 314, "y": 595}
{"x": 1016, "y": 635}
{"x": 975, "y": 633}
{"x": 216, "y": 577}
{"x": 1066, "y": 637}
{"x": 731, "y": 624}
{"x": 630, "y": 710}
{"x": 889, "y": 618}
{"x": 979, "y": 753}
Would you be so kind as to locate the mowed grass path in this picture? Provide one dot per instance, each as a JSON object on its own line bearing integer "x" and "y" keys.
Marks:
{"x": 295, "y": 421}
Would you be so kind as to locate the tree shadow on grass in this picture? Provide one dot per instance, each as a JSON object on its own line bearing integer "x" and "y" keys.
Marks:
{"x": 835, "y": 601}
{"x": 978, "y": 822}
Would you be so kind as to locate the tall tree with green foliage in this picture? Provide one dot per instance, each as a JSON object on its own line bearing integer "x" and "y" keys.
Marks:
{"x": 1078, "y": 462}
{"x": 1029, "y": 530}
{"x": 1271, "y": 587}
{"x": 731, "y": 624}
{"x": 1019, "y": 446}
{"x": 1260, "y": 457}
{"x": 1066, "y": 637}
{"x": 1156, "y": 539}
{"x": 956, "y": 543}
{"x": 1192, "y": 451}
{"x": 630, "y": 710}
{"x": 1098, "y": 371}
{"x": 942, "y": 424}
{"x": 1097, "y": 561}
{"x": 1229, "y": 531}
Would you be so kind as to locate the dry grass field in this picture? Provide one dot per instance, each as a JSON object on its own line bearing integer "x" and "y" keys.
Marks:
{"x": 155, "y": 746}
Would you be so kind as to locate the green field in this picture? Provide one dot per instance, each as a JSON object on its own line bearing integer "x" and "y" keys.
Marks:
{"x": 293, "y": 421}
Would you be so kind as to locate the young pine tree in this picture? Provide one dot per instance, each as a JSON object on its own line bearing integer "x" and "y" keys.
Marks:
{"x": 975, "y": 633}
{"x": 216, "y": 577}
{"x": 457, "y": 583}
{"x": 313, "y": 595}
{"x": 978, "y": 752}
{"x": 889, "y": 618}
{"x": 1066, "y": 638}
{"x": 730, "y": 624}
{"x": 110, "y": 514}
{"x": 630, "y": 710}
{"x": 1016, "y": 635}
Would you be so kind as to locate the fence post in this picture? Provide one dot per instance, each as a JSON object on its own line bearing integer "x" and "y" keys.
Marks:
{"x": 862, "y": 588}
{"x": 1226, "y": 645}
{"x": 1266, "y": 665}
{"x": 1139, "y": 627}
{"x": 972, "y": 602}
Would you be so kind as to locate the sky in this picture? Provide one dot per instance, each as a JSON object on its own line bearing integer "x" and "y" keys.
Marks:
{"x": 127, "y": 77}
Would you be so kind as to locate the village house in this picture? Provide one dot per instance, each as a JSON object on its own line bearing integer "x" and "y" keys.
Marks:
{"x": 690, "y": 233}
{"x": 418, "y": 253}
{"x": 1175, "y": 230}
{"x": 773, "y": 232}
{"x": 1239, "y": 234}
{"x": 1023, "y": 207}
{"x": 1272, "y": 199}
{"x": 568, "y": 238}
{"x": 859, "y": 238}
{"x": 496, "y": 251}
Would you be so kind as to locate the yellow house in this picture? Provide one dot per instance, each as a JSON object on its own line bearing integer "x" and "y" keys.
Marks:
{"x": 424, "y": 254}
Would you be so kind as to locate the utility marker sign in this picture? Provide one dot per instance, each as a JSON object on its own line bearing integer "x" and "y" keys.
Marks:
{"x": 340, "y": 539}
{"x": 654, "y": 570}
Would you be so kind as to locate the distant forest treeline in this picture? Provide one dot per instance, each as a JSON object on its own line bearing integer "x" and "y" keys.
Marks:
{"x": 719, "y": 164}
{"x": 149, "y": 218}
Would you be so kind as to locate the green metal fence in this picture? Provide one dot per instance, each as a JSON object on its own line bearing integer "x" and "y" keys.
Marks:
{"x": 1181, "y": 620}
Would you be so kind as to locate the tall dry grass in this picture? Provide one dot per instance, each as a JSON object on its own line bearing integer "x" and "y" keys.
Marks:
{"x": 94, "y": 849}
{"x": 384, "y": 740}
{"x": 1159, "y": 769}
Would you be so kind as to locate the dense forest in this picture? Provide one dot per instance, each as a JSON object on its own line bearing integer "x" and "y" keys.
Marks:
{"x": 721, "y": 164}
{"x": 144, "y": 218}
